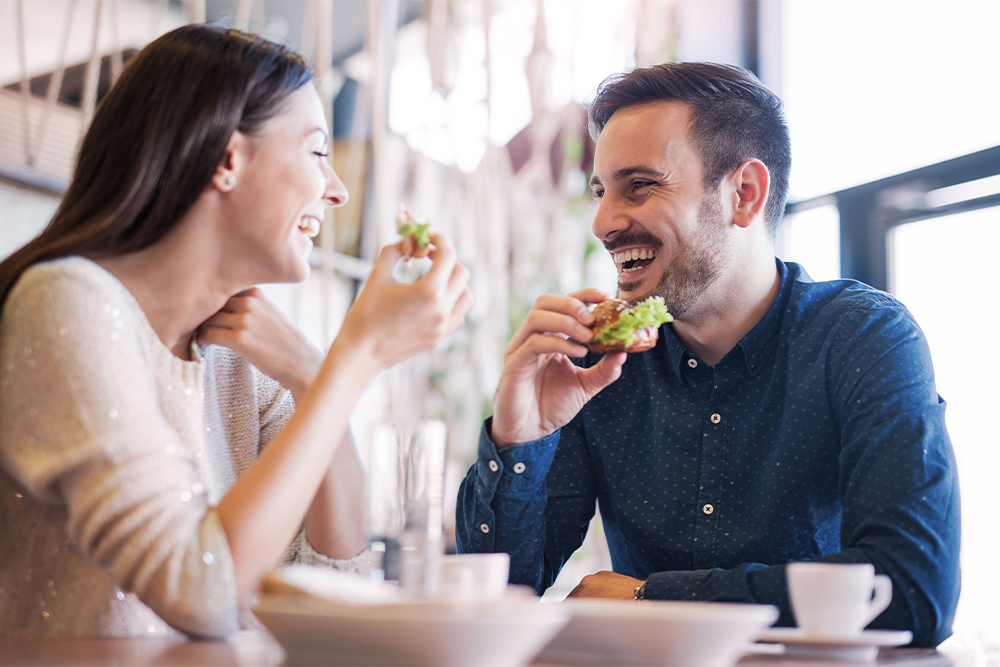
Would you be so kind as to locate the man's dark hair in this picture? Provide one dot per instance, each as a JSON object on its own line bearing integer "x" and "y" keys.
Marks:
{"x": 733, "y": 118}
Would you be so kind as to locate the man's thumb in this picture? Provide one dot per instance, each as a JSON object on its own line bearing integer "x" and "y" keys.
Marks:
{"x": 606, "y": 371}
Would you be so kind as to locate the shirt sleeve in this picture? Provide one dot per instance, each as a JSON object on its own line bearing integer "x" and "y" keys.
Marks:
{"x": 83, "y": 428}
{"x": 514, "y": 500}
{"x": 898, "y": 482}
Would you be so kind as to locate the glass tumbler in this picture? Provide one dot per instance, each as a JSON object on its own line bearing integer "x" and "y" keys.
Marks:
{"x": 405, "y": 502}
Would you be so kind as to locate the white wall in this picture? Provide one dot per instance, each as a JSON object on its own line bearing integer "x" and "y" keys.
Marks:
{"x": 23, "y": 214}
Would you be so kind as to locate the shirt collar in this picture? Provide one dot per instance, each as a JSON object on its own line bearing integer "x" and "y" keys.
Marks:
{"x": 756, "y": 346}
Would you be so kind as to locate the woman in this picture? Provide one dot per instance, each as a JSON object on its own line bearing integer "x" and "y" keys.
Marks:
{"x": 136, "y": 492}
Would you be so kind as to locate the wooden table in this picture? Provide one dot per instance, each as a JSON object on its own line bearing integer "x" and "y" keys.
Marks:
{"x": 255, "y": 648}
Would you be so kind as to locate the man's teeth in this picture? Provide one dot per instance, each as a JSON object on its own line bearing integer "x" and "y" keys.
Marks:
{"x": 309, "y": 227}
{"x": 630, "y": 255}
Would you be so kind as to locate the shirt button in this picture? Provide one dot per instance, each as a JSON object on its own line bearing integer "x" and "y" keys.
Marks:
{"x": 716, "y": 418}
{"x": 693, "y": 363}
{"x": 484, "y": 527}
{"x": 707, "y": 509}
{"x": 494, "y": 466}
{"x": 518, "y": 467}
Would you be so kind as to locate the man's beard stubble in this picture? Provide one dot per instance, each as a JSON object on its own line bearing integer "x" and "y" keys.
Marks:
{"x": 696, "y": 265}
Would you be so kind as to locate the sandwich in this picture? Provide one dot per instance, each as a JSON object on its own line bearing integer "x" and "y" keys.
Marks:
{"x": 416, "y": 232}
{"x": 621, "y": 327}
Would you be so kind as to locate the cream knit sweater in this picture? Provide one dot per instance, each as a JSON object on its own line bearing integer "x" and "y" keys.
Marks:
{"x": 113, "y": 456}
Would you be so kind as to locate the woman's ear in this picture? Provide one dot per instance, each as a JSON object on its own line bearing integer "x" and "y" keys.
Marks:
{"x": 228, "y": 173}
{"x": 751, "y": 185}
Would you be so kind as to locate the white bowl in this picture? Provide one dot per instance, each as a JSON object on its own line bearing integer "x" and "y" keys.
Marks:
{"x": 658, "y": 632}
{"x": 467, "y": 634}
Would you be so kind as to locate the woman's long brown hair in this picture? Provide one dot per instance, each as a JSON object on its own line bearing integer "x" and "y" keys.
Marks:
{"x": 157, "y": 138}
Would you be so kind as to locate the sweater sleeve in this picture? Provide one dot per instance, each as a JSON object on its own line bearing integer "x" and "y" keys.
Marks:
{"x": 276, "y": 406}
{"x": 83, "y": 427}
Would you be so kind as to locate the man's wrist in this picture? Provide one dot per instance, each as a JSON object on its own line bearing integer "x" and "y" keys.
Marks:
{"x": 640, "y": 591}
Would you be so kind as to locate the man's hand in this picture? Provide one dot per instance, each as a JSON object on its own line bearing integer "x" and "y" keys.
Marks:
{"x": 255, "y": 329}
{"x": 540, "y": 389}
{"x": 606, "y": 584}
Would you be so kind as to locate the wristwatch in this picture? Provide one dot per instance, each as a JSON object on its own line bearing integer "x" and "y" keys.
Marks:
{"x": 640, "y": 592}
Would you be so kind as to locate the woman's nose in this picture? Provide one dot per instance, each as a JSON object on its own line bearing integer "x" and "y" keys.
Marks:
{"x": 336, "y": 192}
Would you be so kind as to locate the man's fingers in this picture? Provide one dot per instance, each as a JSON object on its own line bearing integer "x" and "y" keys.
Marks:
{"x": 603, "y": 373}
{"x": 568, "y": 305}
{"x": 539, "y": 344}
{"x": 591, "y": 295}
{"x": 551, "y": 322}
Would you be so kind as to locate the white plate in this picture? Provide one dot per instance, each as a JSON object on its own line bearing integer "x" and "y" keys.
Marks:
{"x": 467, "y": 634}
{"x": 860, "y": 648}
{"x": 694, "y": 634}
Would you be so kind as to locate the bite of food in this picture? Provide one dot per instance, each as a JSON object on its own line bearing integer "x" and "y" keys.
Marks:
{"x": 621, "y": 327}
{"x": 415, "y": 231}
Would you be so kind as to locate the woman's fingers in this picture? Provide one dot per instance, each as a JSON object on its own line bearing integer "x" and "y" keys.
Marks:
{"x": 444, "y": 262}
{"x": 462, "y": 307}
{"x": 386, "y": 259}
{"x": 222, "y": 320}
{"x": 458, "y": 282}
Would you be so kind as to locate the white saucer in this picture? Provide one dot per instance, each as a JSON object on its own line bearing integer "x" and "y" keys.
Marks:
{"x": 859, "y": 648}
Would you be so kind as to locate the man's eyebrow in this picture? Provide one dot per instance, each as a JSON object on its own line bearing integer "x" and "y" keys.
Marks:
{"x": 630, "y": 171}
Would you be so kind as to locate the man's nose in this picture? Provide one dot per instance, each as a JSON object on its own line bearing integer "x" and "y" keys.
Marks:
{"x": 609, "y": 220}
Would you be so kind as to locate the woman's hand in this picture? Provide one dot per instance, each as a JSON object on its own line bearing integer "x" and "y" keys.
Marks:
{"x": 393, "y": 321}
{"x": 258, "y": 331}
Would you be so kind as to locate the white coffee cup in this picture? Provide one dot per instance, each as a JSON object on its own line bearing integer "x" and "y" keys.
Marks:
{"x": 836, "y": 599}
{"x": 475, "y": 576}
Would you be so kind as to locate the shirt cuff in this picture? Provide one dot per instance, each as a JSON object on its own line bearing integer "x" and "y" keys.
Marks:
{"x": 676, "y": 585}
{"x": 514, "y": 468}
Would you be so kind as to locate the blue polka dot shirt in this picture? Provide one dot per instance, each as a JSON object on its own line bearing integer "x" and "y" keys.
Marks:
{"x": 820, "y": 436}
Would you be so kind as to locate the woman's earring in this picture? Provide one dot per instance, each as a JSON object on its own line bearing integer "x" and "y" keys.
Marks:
{"x": 230, "y": 181}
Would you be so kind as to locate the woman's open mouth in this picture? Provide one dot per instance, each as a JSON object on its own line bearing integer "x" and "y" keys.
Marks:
{"x": 633, "y": 260}
{"x": 309, "y": 226}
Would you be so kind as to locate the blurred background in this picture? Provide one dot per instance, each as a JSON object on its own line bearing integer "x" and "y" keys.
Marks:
{"x": 471, "y": 113}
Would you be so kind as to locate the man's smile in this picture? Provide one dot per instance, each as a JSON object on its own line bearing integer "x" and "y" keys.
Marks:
{"x": 632, "y": 260}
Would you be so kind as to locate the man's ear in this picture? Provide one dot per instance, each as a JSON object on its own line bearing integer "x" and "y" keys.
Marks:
{"x": 227, "y": 174}
{"x": 751, "y": 185}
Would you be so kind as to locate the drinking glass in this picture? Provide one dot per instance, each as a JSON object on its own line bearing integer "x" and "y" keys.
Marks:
{"x": 406, "y": 501}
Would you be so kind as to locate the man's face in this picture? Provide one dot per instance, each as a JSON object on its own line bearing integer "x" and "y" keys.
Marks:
{"x": 665, "y": 233}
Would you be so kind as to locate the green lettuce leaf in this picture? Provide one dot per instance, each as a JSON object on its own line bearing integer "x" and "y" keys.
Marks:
{"x": 649, "y": 313}
{"x": 421, "y": 232}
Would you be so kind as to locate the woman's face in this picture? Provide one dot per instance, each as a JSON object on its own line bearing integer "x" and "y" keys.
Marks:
{"x": 284, "y": 184}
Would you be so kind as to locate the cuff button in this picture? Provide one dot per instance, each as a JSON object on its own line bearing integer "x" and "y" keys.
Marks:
{"x": 484, "y": 527}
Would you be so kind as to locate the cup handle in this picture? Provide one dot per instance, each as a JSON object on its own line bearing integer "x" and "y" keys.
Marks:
{"x": 882, "y": 589}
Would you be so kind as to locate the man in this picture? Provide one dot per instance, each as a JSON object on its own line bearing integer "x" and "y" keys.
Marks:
{"x": 777, "y": 419}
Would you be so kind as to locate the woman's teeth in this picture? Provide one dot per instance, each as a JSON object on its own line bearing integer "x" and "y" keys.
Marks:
{"x": 629, "y": 261}
{"x": 309, "y": 227}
